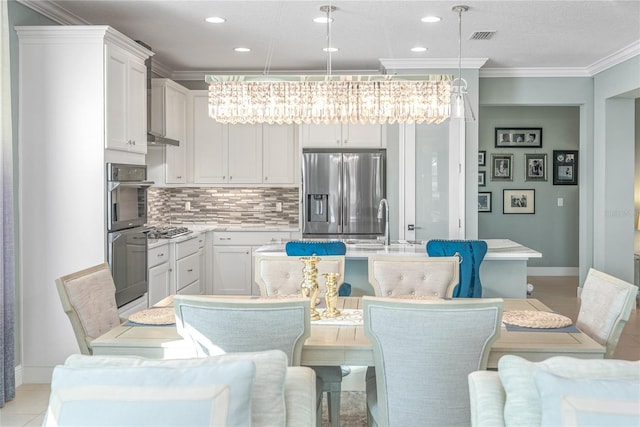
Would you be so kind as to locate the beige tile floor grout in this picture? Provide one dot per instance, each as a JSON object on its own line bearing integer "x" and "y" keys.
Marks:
{"x": 558, "y": 293}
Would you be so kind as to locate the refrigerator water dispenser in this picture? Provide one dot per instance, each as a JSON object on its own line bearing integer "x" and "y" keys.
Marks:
{"x": 318, "y": 204}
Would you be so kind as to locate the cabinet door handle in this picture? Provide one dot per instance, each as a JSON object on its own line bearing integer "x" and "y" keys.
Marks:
{"x": 266, "y": 178}
{"x": 230, "y": 177}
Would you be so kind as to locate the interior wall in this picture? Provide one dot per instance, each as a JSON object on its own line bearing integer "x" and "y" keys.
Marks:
{"x": 552, "y": 229}
{"x": 615, "y": 91}
{"x": 19, "y": 15}
{"x": 636, "y": 243}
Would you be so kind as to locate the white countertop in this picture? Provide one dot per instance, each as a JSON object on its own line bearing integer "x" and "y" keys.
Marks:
{"x": 498, "y": 249}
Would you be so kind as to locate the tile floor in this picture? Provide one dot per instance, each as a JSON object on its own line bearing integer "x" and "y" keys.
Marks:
{"x": 558, "y": 293}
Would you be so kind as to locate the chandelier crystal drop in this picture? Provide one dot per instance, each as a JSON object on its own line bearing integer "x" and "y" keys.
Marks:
{"x": 329, "y": 99}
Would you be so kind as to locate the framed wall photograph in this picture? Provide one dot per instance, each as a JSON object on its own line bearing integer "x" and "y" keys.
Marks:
{"x": 481, "y": 179}
{"x": 519, "y": 201}
{"x": 484, "y": 201}
{"x": 482, "y": 154}
{"x": 519, "y": 137}
{"x": 565, "y": 167}
{"x": 535, "y": 167}
{"x": 502, "y": 167}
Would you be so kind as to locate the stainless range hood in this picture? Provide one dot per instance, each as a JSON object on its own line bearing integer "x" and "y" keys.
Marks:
{"x": 157, "y": 139}
{"x": 153, "y": 137}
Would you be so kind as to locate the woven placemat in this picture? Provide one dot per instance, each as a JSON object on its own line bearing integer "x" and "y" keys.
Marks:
{"x": 154, "y": 316}
{"x": 535, "y": 319}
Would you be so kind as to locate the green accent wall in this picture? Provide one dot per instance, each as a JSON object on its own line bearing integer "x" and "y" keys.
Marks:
{"x": 552, "y": 230}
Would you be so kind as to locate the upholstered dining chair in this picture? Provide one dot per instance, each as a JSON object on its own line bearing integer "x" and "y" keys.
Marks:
{"x": 413, "y": 276}
{"x": 218, "y": 325}
{"x": 423, "y": 352}
{"x": 282, "y": 274}
{"x": 320, "y": 248}
{"x": 605, "y": 306}
{"x": 89, "y": 298}
{"x": 471, "y": 253}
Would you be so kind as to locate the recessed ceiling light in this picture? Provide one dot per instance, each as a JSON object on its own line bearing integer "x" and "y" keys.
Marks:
{"x": 215, "y": 20}
{"x": 242, "y": 49}
{"x": 330, "y": 49}
{"x": 431, "y": 19}
{"x": 418, "y": 49}
{"x": 322, "y": 20}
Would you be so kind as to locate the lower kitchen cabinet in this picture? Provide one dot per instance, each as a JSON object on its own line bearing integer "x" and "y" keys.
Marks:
{"x": 159, "y": 273}
{"x": 232, "y": 270}
{"x": 159, "y": 283}
{"x": 233, "y": 259}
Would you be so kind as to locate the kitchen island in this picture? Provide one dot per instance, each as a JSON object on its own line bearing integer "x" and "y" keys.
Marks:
{"x": 503, "y": 272}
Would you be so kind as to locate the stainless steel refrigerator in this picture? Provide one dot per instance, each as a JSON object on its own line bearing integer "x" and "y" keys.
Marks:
{"x": 342, "y": 192}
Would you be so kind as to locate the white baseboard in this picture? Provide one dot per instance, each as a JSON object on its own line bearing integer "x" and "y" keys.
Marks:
{"x": 18, "y": 375}
{"x": 552, "y": 271}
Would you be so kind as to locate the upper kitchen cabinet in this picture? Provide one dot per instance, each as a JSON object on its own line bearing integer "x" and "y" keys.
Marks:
{"x": 240, "y": 154}
{"x": 126, "y": 100}
{"x": 336, "y": 135}
{"x": 168, "y": 163}
{"x": 278, "y": 154}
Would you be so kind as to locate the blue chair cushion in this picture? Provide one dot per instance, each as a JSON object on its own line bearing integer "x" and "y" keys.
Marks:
{"x": 472, "y": 253}
{"x": 304, "y": 248}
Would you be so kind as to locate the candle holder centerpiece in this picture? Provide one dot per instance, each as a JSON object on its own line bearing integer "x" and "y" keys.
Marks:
{"x": 309, "y": 287}
{"x": 331, "y": 296}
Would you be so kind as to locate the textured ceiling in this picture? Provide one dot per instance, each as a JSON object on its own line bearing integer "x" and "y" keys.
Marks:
{"x": 550, "y": 35}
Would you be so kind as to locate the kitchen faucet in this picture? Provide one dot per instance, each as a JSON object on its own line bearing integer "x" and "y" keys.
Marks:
{"x": 386, "y": 218}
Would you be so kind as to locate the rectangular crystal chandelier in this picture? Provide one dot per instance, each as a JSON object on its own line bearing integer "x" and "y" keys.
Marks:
{"x": 329, "y": 99}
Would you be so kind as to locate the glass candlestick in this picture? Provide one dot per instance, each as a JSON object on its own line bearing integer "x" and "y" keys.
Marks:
{"x": 309, "y": 287}
{"x": 331, "y": 296}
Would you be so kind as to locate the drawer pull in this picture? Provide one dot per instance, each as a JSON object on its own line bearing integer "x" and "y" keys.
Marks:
{"x": 225, "y": 238}
{"x": 190, "y": 270}
{"x": 161, "y": 255}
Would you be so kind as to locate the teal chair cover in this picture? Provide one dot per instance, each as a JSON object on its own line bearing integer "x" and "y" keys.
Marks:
{"x": 472, "y": 253}
{"x": 318, "y": 248}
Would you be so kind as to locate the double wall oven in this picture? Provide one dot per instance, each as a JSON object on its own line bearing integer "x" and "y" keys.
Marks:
{"x": 127, "y": 187}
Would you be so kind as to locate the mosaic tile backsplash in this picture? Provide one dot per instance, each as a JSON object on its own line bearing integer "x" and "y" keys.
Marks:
{"x": 224, "y": 205}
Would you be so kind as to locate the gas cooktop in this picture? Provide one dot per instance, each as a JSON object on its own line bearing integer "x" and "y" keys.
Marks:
{"x": 168, "y": 232}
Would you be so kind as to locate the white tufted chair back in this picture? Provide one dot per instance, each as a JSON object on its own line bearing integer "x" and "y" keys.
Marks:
{"x": 415, "y": 276}
{"x": 605, "y": 306}
{"x": 89, "y": 299}
{"x": 282, "y": 275}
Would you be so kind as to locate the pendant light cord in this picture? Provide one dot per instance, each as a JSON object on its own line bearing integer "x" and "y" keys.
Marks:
{"x": 329, "y": 39}
{"x": 460, "y": 46}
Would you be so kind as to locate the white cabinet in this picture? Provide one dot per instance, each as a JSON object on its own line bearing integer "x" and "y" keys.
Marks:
{"x": 232, "y": 270}
{"x": 233, "y": 259}
{"x": 187, "y": 265}
{"x": 342, "y": 135}
{"x": 240, "y": 154}
{"x": 168, "y": 163}
{"x": 126, "y": 101}
{"x": 159, "y": 273}
{"x": 278, "y": 154}
{"x": 245, "y": 154}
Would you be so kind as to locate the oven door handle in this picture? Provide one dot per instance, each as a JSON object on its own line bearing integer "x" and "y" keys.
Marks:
{"x": 112, "y": 185}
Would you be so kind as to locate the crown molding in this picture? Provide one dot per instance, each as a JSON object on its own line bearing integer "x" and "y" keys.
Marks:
{"x": 199, "y": 75}
{"x": 535, "y": 72}
{"x": 615, "y": 58}
{"x": 417, "y": 64}
{"x": 54, "y": 12}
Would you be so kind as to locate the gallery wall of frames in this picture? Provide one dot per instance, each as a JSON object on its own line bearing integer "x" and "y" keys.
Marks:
{"x": 536, "y": 166}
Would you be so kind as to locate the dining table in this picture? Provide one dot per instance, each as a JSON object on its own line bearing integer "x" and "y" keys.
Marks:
{"x": 341, "y": 341}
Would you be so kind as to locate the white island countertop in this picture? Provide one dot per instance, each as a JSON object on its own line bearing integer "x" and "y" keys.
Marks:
{"x": 498, "y": 249}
